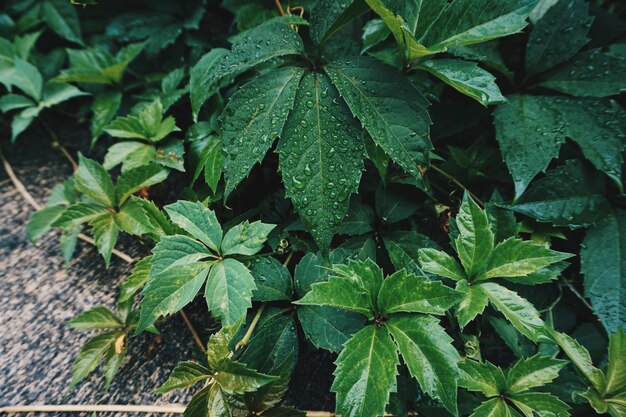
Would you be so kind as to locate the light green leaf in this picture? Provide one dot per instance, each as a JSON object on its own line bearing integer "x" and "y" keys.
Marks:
{"x": 22, "y": 121}
{"x": 27, "y": 78}
{"x": 467, "y": 78}
{"x": 10, "y": 102}
{"x": 472, "y": 304}
{"x": 475, "y": 241}
{"x": 367, "y": 274}
{"x": 366, "y": 373}
{"x": 533, "y": 372}
{"x": 440, "y": 263}
{"x": 541, "y": 404}
{"x": 92, "y": 180}
{"x": 95, "y": 318}
{"x": 254, "y": 117}
{"x": 517, "y": 310}
{"x": 123, "y": 152}
{"x": 558, "y": 35}
{"x": 408, "y": 293}
{"x": 210, "y": 159}
{"x": 62, "y": 18}
{"x": 184, "y": 375}
{"x": 176, "y": 250}
{"x": 616, "y": 369}
{"x": 482, "y": 377}
{"x": 340, "y": 292}
{"x": 237, "y": 378}
{"x": 390, "y": 108}
{"x": 198, "y": 220}
{"x": 590, "y": 74}
{"x": 89, "y": 356}
{"x": 78, "y": 214}
{"x": 494, "y": 407}
{"x": 131, "y": 218}
{"x": 105, "y": 233}
{"x": 55, "y": 93}
{"x": 169, "y": 291}
{"x": 136, "y": 280}
{"x": 403, "y": 248}
{"x": 432, "y": 360}
{"x": 219, "y": 345}
{"x": 321, "y": 157}
{"x": 135, "y": 179}
{"x": 516, "y": 258}
{"x": 228, "y": 291}
{"x": 41, "y": 221}
{"x": 104, "y": 108}
{"x": 580, "y": 358}
{"x": 246, "y": 238}
{"x": 603, "y": 263}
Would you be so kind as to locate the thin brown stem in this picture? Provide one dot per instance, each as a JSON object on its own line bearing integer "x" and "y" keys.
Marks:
{"x": 56, "y": 143}
{"x": 578, "y": 295}
{"x": 279, "y": 7}
{"x": 286, "y": 263}
{"x": 192, "y": 330}
{"x": 246, "y": 338}
{"x": 458, "y": 183}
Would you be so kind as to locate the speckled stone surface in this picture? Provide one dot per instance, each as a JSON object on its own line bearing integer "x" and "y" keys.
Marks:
{"x": 38, "y": 293}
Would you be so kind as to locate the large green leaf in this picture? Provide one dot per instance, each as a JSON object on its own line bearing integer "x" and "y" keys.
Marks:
{"x": 254, "y": 117}
{"x": 92, "y": 180}
{"x": 495, "y": 407}
{"x": 553, "y": 199}
{"x": 475, "y": 240}
{"x": 540, "y": 403}
{"x": 228, "y": 291}
{"x": 465, "y": 22}
{"x": 90, "y": 355}
{"x": 176, "y": 250}
{"x": 321, "y": 157}
{"x": 482, "y": 377}
{"x": 390, "y": 108}
{"x": 207, "y": 64}
{"x": 580, "y": 358}
{"x": 198, "y": 220}
{"x": 237, "y": 378}
{"x": 467, "y": 78}
{"x": 105, "y": 233}
{"x": 170, "y": 291}
{"x": 517, "y": 310}
{"x": 366, "y": 373}
{"x": 514, "y": 257}
{"x": 427, "y": 350}
{"x": 558, "y": 35}
{"x": 472, "y": 304}
{"x": 591, "y": 73}
{"x": 327, "y": 327}
{"x": 269, "y": 40}
{"x": 440, "y": 263}
{"x": 533, "y": 372}
{"x": 62, "y": 18}
{"x": 246, "y": 238}
{"x": 339, "y": 292}
{"x": 331, "y": 15}
{"x": 408, "y": 293}
{"x": 603, "y": 263}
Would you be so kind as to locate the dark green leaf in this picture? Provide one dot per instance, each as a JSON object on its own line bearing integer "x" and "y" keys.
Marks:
{"x": 403, "y": 248}
{"x": 246, "y": 238}
{"x": 62, "y": 18}
{"x": 92, "y": 180}
{"x": 331, "y": 15}
{"x": 105, "y": 233}
{"x": 273, "y": 280}
{"x": 327, "y": 327}
{"x": 135, "y": 179}
{"x": 95, "y": 318}
{"x": 184, "y": 375}
{"x": 228, "y": 291}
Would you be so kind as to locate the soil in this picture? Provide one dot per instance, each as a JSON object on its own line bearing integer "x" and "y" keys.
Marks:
{"x": 38, "y": 293}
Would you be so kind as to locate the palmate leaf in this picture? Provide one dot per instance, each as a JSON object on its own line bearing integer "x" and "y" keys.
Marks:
{"x": 366, "y": 373}
{"x": 533, "y": 372}
{"x": 105, "y": 233}
{"x": 603, "y": 265}
{"x": 467, "y": 78}
{"x": 253, "y": 118}
{"x": 321, "y": 157}
{"x": 176, "y": 250}
{"x": 540, "y": 403}
{"x": 246, "y": 238}
{"x": 92, "y": 180}
{"x": 475, "y": 240}
{"x": 340, "y": 292}
{"x": 327, "y": 327}
{"x": 184, "y": 375}
{"x": 472, "y": 304}
{"x": 482, "y": 377}
{"x": 91, "y": 353}
{"x": 228, "y": 291}
{"x": 440, "y": 263}
{"x": 198, "y": 220}
{"x": 427, "y": 350}
{"x": 390, "y": 108}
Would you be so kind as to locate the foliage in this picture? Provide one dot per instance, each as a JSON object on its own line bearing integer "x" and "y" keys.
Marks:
{"x": 430, "y": 190}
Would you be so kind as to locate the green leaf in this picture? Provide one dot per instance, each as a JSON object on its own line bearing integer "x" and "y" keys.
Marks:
{"x": 10, "y": 102}
{"x": 228, "y": 291}
{"x": 210, "y": 159}
{"x": 327, "y": 327}
{"x": 494, "y": 407}
{"x": 616, "y": 369}
{"x": 184, "y": 375}
{"x": 540, "y": 403}
{"x": 269, "y": 40}
{"x": 517, "y": 258}
{"x": 465, "y": 22}
{"x": 390, "y": 108}
{"x": 41, "y": 221}
{"x": 219, "y": 345}
{"x": 114, "y": 360}
{"x": 482, "y": 377}
{"x": 272, "y": 278}
{"x": 517, "y": 310}
{"x": 132, "y": 219}
{"x": 92, "y": 180}
{"x": 95, "y": 318}
{"x": 475, "y": 241}
{"x": 360, "y": 219}
{"x": 403, "y": 248}
{"x": 105, "y": 233}
{"x": 234, "y": 377}
{"x": 246, "y": 238}
{"x": 408, "y": 293}
{"x": 427, "y": 350}
{"x": 603, "y": 265}
{"x": 558, "y": 35}
{"x": 440, "y": 263}
{"x": 169, "y": 291}
{"x": 531, "y": 129}
{"x": 130, "y": 154}
{"x": 55, "y": 93}
{"x": 89, "y": 356}
{"x": 590, "y": 74}
{"x": 366, "y": 373}
{"x": 78, "y": 214}
{"x": 135, "y": 179}
{"x": 472, "y": 304}
{"x": 207, "y": 64}
{"x": 136, "y": 280}
{"x": 553, "y": 199}
{"x": 321, "y": 153}
{"x": 104, "y": 108}
{"x": 198, "y": 220}
{"x": 27, "y": 78}
{"x": 533, "y": 372}
{"x": 331, "y": 15}
{"x": 393, "y": 204}
{"x": 175, "y": 251}
{"x": 62, "y": 18}
{"x": 580, "y": 358}
{"x": 254, "y": 117}
{"x": 467, "y": 78}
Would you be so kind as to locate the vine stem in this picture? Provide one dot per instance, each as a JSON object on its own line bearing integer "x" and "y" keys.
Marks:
{"x": 246, "y": 338}
{"x": 19, "y": 186}
{"x": 56, "y": 143}
{"x": 280, "y": 7}
{"x": 459, "y": 184}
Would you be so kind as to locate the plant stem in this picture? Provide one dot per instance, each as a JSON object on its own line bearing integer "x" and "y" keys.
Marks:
{"x": 578, "y": 295}
{"x": 56, "y": 143}
{"x": 246, "y": 338}
{"x": 458, "y": 183}
{"x": 192, "y": 330}
{"x": 286, "y": 263}
{"x": 279, "y": 7}
{"x": 100, "y": 408}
